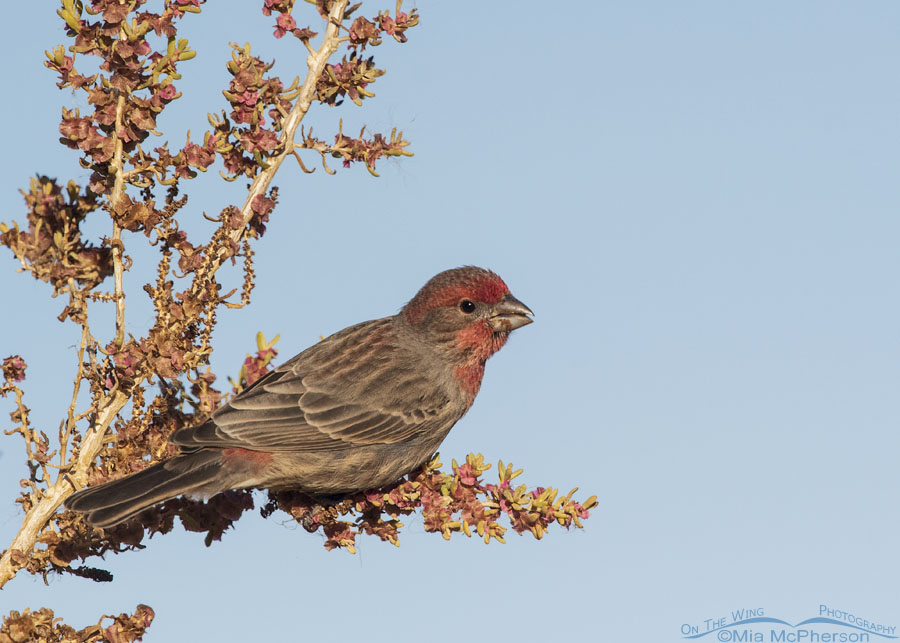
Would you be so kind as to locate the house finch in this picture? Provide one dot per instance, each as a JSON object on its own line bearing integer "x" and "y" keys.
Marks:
{"x": 356, "y": 411}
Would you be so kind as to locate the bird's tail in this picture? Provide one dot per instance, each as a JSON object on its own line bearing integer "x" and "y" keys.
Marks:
{"x": 196, "y": 473}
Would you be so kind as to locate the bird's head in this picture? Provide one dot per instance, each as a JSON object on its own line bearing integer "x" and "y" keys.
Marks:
{"x": 466, "y": 314}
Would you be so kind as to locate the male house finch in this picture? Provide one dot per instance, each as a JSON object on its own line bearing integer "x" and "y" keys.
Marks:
{"x": 356, "y": 411}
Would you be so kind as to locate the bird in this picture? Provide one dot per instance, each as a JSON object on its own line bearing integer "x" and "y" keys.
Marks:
{"x": 356, "y": 411}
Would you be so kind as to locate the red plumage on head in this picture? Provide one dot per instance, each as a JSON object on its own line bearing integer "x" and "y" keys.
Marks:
{"x": 450, "y": 287}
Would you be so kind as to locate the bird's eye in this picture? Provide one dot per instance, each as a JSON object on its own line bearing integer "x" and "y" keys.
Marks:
{"x": 467, "y": 306}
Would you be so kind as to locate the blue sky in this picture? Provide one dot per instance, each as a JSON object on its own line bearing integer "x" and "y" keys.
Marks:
{"x": 699, "y": 201}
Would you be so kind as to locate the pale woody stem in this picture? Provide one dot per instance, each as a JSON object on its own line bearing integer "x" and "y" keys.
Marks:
{"x": 94, "y": 438}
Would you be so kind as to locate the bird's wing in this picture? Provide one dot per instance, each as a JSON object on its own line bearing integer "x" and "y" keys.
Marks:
{"x": 342, "y": 391}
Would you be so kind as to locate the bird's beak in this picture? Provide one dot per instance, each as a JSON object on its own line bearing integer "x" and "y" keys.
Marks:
{"x": 509, "y": 314}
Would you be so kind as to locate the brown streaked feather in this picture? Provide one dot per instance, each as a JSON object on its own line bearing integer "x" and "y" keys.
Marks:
{"x": 315, "y": 401}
